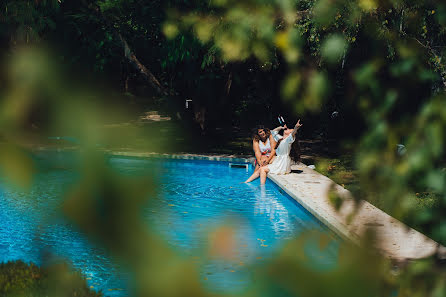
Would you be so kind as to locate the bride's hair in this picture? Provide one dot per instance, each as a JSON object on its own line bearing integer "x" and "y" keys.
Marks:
{"x": 295, "y": 149}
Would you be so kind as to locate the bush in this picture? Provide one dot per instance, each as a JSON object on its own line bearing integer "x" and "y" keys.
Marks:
{"x": 21, "y": 279}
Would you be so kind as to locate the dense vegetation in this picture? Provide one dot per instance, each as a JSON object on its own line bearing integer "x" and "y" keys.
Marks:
{"x": 20, "y": 279}
{"x": 366, "y": 72}
{"x": 122, "y": 45}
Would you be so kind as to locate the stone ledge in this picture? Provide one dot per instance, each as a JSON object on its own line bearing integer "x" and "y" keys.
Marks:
{"x": 393, "y": 239}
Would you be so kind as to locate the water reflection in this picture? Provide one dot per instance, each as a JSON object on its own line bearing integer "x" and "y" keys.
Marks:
{"x": 194, "y": 200}
{"x": 267, "y": 203}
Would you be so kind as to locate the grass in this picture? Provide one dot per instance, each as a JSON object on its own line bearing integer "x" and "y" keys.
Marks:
{"x": 427, "y": 200}
{"x": 340, "y": 170}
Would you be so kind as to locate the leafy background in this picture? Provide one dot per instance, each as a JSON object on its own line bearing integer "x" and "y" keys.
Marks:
{"x": 367, "y": 73}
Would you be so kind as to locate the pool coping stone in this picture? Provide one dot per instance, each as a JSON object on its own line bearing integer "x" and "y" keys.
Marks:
{"x": 355, "y": 218}
{"x": 187, "y": 156}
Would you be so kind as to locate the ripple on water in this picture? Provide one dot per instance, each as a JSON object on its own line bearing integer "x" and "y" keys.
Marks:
{"x": 195, "y": 198}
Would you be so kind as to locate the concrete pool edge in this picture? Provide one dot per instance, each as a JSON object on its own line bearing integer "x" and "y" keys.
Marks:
{"x": 186, "y": 156}
{"x": 303, "y": 200}
{"x": 394, "y": 239}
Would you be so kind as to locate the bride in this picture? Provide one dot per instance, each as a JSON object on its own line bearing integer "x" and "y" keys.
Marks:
{"x": 282, "y": 162}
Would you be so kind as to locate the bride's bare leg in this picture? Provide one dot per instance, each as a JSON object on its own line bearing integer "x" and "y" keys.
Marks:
{"x": 255, "y": 175}
{"x": 263, "y": 173}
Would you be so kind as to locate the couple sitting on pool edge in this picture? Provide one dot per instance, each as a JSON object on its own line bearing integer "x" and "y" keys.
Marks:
{"x": 274, "y": 151}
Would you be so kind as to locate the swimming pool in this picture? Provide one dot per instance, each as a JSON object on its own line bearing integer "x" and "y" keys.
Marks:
{"x": 194, "y": 198}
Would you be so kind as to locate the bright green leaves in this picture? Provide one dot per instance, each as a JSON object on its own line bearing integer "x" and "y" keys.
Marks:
{"x": 204, "y": 31}
{"x": 269, "y": 31}
{"x": 56, "y": 279}
{"x": 305, "y": 93}
{"x": 32, "y": 83}
{"x": 325, "y": 12}
{"x": 334, "y": 48}
{"x": 316, "y": 90}
{"x": 289, "y": 42}
{"x": 16, "y": 165}
{"x": 368, "y": 5}
{"x": 233, "y": 48}
{"x": 170, "y": 30}
{"x": 239, "y": 32}
{"x": 366, "y": 75}
{"x": 291, "y": 86}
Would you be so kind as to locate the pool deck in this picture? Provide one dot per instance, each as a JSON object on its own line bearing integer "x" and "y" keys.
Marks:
{"x": 393, "y": 239}
{"x": 311, "y": 189}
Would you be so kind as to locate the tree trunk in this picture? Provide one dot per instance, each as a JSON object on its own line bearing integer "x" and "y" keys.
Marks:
{"x": 131, "y": 57}
{"x": 229, "y": 83}
{"x": 200, "y": 117}
{"x": 433, "y": 53}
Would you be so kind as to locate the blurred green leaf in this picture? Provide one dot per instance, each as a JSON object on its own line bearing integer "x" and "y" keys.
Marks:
{"x": 291, "y": 86}
{"x": 170, "y": 30}
{"x": 333, "y": 48}
{"x": 16, "y": 165}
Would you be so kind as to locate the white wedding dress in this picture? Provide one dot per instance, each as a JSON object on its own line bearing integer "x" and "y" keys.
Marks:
{"x": 282, "y": 161}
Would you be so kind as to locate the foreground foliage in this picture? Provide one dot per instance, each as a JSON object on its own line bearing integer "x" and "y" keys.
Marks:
{"x": 387, "y": 59}
{"x": 20, "y": 279}
{"x": 375, "y": 67}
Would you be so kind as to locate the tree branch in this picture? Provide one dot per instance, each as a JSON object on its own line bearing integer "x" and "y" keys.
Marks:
{"x": 435, "y": 55}
{"x": 300, "y": 14}
{"x": 131, "y": 57}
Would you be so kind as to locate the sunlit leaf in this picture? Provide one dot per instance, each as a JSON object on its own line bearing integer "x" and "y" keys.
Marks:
{"x": 16, "y": 165}
{"x": 334, "y": 48}
{"x": 291, "y": 86}
{"x": 170, "y": 30}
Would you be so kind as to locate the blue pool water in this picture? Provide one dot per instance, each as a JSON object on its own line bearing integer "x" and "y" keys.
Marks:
{"x": 194, "y": 199}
